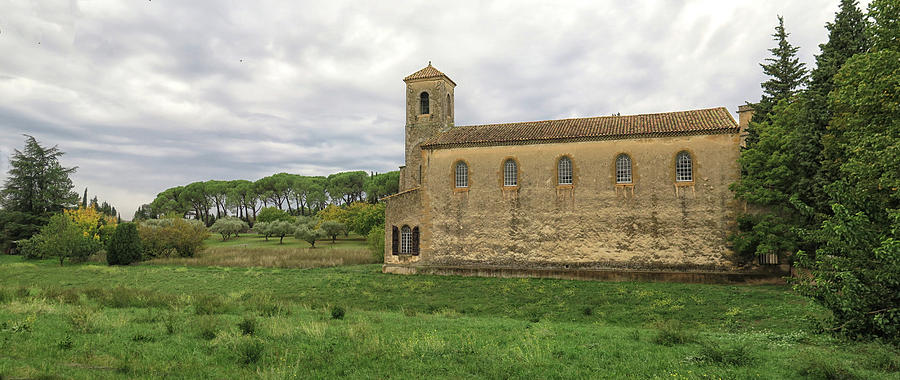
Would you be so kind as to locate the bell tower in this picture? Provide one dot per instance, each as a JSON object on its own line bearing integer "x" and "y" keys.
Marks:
{"x": 429, "y": 111}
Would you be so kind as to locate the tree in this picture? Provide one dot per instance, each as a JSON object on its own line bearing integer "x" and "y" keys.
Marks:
{"x": 262, "y": 228}
{"x": 124, "y": 247}
{"x": 378, "y": 186}
{"x": 37, "y": 183}
{"x": 228, "y": 226}
{"x": 855, "y": 272}
{"x": 280, "y": 228}
{"x": 786, "y": 75}
{"x": 63, "y": 239}
{"x": 17, "y": 225}
{"x": 346, "y": 187}
{"x": 333, "y": 229}
{"x": 272, "y": 214}
{"x": 307, "y": 230}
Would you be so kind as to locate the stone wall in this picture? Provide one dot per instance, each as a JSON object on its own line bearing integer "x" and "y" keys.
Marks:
{"x": 592, "y": 224}
{"x": 404, "y": 208}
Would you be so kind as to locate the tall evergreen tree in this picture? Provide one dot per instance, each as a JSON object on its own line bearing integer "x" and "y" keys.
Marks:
{"x": 37, "y": 184}
{"x": 786, "y": 76}
{"x": 84, "y": 199}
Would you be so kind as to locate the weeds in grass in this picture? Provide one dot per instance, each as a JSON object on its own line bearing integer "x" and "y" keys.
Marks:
{"x": 141, "y": 337}
{"x": 737, "y": 355}
{"x": 250, "y": 351}
{"x": 66, "y": 343}
{"x": 264, "y": 305}
{"x": 65, "y": 295}
{"x": 6, "y": 295}
{"x": 83, "y": 320}
{"x": 247, "y": 326}
{"x": 635, "y": 335}
{"x": 209, "y": 304}
{"x": 273, "y": 257}
{"x": 883, "y": 358}
{"x": 337, "y": 312}
{"x": 170, "y": 321}
{"x": 587, "y": 311}
{"x": 824, "y": 368}
{"x": 22, "y": 326}
{"x": 671, "y": 334}
{"x": 23, "y": 292}
{"x": 208, "y": 327}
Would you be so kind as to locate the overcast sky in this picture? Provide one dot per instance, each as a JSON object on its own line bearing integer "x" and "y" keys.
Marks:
{"x": 146, "y": 95}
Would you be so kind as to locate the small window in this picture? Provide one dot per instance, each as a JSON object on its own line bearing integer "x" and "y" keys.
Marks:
{"x": 564, "y": 171}
{"x": 449, "y": 106}
{"x": 423, "y": 104}
{"x": 623, "y": 169}
{"x": 406, "y": 240}
{"x": 462, "y": 175}
{"x": 510, "y": 173}
{"x": 684, "y": 170}
{"x": 395, "y": 240}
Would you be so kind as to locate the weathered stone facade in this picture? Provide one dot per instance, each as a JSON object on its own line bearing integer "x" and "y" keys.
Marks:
{"x": 653, "y": 223}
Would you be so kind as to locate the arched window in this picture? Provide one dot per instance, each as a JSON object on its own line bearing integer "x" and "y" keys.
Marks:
{"x": 623, "y": 169}
{"x": 449, "y": 106}
{"x": 462, "y": 175}
{"x": 684, "y": 170}
{"x": 510, "y": 173}
{"x": 423, "y": 103}
{"x": 406, "y": 240}
{"x": 564, "y": 171}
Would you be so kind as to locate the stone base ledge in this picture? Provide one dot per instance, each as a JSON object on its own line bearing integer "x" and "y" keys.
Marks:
{"x": 755, "y": 278}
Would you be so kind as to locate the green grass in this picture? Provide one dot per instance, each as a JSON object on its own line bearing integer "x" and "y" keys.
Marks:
{"x": 89, "y": 321}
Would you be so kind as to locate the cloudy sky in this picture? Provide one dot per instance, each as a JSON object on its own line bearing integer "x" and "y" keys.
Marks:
{"x": 146, "y": 95}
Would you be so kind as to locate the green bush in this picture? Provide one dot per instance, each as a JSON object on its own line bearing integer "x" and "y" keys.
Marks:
{"x": 337, "y": 312}
{"x": 376, "y": 242}
{"x": 247, "y": 325}
{"x": 172, "y": 236}
{"x": 250, "y": 351}
{"x": 124, "y": 247}
{"x": 63, "y": 239}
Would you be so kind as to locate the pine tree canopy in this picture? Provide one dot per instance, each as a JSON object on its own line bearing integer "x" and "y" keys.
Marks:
{"x": 37, "y": 184}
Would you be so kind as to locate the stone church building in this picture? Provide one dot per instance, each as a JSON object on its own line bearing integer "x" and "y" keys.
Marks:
{"x": 609, "y": 197}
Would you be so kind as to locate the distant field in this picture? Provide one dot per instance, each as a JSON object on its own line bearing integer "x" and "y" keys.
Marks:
{"x": 254, "y": 251}
{"x": 174, "y": 321}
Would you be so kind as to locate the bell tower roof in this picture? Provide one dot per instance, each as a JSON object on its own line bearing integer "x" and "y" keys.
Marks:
{"x": 427, "y": 73}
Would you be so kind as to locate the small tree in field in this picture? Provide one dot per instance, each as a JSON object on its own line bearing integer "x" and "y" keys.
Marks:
{"x": 229, "y": 226}
{"x": 333, "y": 229}
{"x": 124, "y": 247}
{"x": 62, "y": 238}
{"x": 308, "y": 231}
{"x": 281, "y": 229}
{"x": 262, "y": 228}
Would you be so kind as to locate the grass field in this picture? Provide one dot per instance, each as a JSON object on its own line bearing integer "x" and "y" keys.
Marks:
{"x": 90, "y": 321}
{"x": 254, "y": 251}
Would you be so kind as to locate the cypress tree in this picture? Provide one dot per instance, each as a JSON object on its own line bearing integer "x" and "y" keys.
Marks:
{"x": 84, "y": 199}
{"x": 124, "y": 247}
{"x": 786, "y": 76}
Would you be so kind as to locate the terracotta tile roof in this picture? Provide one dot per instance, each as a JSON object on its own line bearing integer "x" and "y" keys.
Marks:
{"x": 695, "y": 122}
{"x": 428, "y": 72}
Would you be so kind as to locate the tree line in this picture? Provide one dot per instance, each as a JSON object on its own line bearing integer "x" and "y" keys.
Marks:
{"x": 295, "y": 194}
{"x": 821, "y": 169}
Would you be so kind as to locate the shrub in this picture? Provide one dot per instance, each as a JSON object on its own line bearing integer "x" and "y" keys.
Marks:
{"x": 209, "y": 304}
{"x": 124, "y": 247}
{"x": 247, "y": 325}
{"x": 376, "y": 242}
{"x": 733, "y": 355}
{"x": 163, "y": 237}
{"x": 337, "y": 312}
{"x": 250, "y": 351}
{"x": 62, "y": 238}
{"x": 66, "y": 343}
{"x": 671, "y": 334}
{"x": 228, "y": 226}
{"x": 208, "y": 327}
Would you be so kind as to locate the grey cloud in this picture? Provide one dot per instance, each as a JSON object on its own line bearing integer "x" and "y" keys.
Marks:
{"x": 147, "y": 95}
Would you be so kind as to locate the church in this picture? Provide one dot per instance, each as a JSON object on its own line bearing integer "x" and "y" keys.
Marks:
{"x": 636, "y": 197}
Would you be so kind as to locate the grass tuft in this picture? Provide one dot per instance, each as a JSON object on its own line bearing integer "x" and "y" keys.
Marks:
{"x": 738, "y": 355}
{"x": 210, "y": 304}
{"x": 671, "y": 334}
{"x": 247, "y": 326}
{"x": 250, "y": 351}
{"x": 337, "y": 312}
{"x": 208, "y": 327}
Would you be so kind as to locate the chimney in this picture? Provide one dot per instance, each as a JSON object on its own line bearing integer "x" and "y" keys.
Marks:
{"x": 745, "y": 113}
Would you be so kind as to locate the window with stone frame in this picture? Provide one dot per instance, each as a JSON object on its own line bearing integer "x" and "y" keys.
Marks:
{"x": 623, "y": 169}
{"x": 510, "y": 173}
{"x": 462, "y": 175}
{"x": 684, "y": 169}
{"x": 406, "y": 240}
{"x": 424, "y": 107}
{"x": 564, "y": 170}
